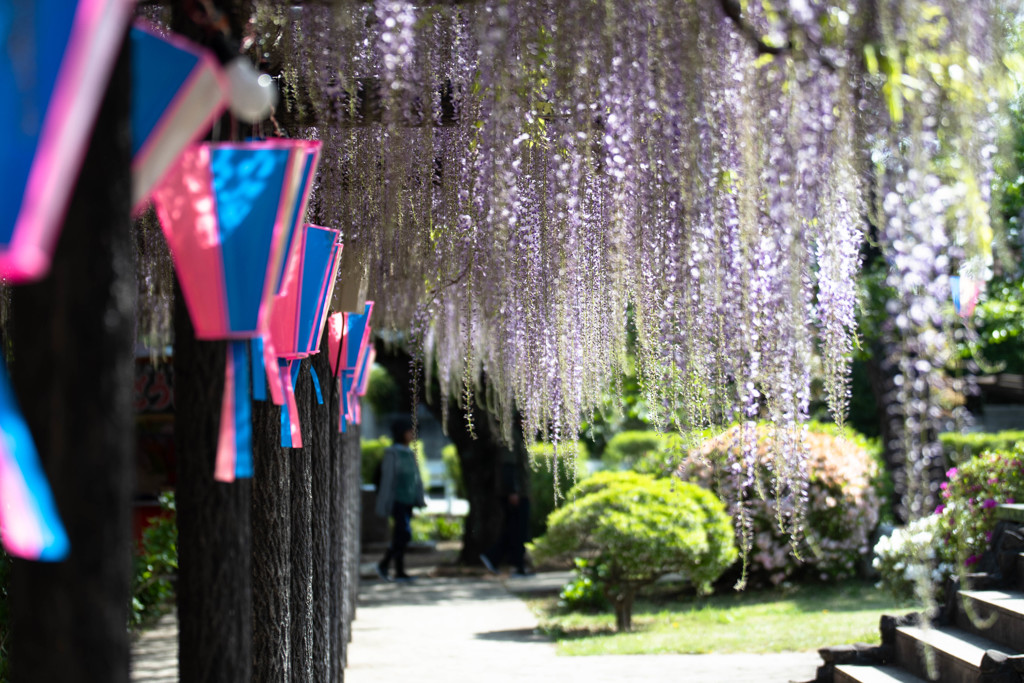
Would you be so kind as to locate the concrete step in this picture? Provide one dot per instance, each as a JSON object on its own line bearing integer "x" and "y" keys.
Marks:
{"x": 849, "y": 673}
{"x": 957, "y": 653}
{"x": 1001, "y": 614}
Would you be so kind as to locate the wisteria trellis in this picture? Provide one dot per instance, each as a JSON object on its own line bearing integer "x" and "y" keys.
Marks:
{"x": 542, "y": 170}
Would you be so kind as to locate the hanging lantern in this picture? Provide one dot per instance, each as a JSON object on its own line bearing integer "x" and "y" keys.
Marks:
{"x": 359, "y": 390}
{"x": 349, "y": 347}
{"x": 966, "y": 292}
{"x": 178, "y": 89}
{"x": 300, "y": 313}
{"x": 225, "y": 209}
{"x": 55, "y": 60}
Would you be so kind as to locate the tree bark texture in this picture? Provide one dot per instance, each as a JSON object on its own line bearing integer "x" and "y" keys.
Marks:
{"x": 302, "y": 538}
{"x": 351, "y": 456}
{"x": 271, "y": 545}
{"x": 73, "y": 340}
{"x": 319, "y": 450}
{"x": 338, "y": 540}
{"x": 214, "y": 540}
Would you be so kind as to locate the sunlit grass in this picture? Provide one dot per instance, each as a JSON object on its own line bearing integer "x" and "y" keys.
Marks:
{"x": 799, "y": 618}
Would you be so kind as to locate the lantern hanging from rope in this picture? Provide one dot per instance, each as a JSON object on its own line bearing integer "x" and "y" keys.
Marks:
{"x": 300, "y": 313}
{"x": 226, "y": 209}
{"x": 55, "y": 60}
{"x": 178, "y": 89}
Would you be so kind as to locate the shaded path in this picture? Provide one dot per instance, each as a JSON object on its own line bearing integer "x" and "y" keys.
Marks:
{"x": 454, "y": 630}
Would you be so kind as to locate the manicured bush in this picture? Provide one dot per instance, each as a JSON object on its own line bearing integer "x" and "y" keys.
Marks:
{"x": 970, "y": 497}
{"x": 640, "y": 451}
{"x": 636, "y": 529}
{"x": 842, "y": 506}
{"x": 960, "y": 447}
{"x": 584, "y": 592}
{"x": 912, "y": 555}
{"x": 545, "y": 469}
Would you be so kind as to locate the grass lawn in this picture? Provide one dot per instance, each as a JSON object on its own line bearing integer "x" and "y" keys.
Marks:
{"x": 799, "y": 618}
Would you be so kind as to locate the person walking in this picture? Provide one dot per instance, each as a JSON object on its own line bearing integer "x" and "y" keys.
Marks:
{"x": 400, "y": 490}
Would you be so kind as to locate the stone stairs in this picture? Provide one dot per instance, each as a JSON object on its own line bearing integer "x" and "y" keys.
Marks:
{"x": 977, "y": 638}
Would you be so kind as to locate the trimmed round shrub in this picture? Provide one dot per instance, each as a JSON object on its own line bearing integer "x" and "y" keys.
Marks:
{"x": 636, "y": 529}
{"x": 640, "y": 451}
{"x": 545, "y": 470}
{"x": 841, "y": 510}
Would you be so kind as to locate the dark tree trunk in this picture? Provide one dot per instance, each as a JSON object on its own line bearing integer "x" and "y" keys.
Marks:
{"x": 881, "y": 377}
{"x": 214, "y": 542}
{"x": 338, "y": 540}
{"x": 73, "y": 340}
{"x": 481, "y": 473}
{"x": 319, "y": 451}
{"x": 623, "y": 600}
{"x": 271, "y": 544}
{"x": 302, "y": 538}
{"x": 351, "y": 454}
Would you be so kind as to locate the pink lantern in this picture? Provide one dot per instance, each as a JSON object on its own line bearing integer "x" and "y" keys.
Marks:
{"x": 178, "y": 89}
{"x": 226, "y": 209}
{"x": 300, "y": 313}
{"x": 349, "y": 346}
{"x": 55, "y": 60}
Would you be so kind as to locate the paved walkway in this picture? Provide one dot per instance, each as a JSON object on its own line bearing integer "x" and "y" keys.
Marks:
{"x": 463, "y": 630}
{"x": 446, "y": 630}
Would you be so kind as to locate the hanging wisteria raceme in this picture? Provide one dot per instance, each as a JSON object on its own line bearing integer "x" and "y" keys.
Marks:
{"x": 528, "y": 179}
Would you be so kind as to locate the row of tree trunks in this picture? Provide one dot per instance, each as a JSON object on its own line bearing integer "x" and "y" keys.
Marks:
{"x": 304, "y": 543}
{"x": 73, "y": 369}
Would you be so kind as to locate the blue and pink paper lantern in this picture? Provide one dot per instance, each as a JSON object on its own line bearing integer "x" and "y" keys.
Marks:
{"x": 56, "y": 57}
{"x": 226, "y": 209}
{"x": 300, "y": 313}
{"x": 178, "y": 89}
{"x": 350, "y": 348}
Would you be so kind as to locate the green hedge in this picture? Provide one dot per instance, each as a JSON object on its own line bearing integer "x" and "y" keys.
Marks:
{"x": 571, "y": 461}
{"x": 960, "y": 447}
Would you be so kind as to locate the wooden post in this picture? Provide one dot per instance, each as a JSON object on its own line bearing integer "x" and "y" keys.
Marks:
{"x": 73, "y": 370}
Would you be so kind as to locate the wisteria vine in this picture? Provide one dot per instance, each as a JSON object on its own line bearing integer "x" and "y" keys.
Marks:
{"x": 524, "y": 176}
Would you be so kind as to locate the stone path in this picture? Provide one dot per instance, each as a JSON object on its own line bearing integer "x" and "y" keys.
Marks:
{"x": 455, "y": 630}
{"x": 155, "y": 652}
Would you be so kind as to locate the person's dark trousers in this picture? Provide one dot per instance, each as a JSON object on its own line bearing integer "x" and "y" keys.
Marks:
{"x": 515, "y": 529}
{"x": 401, "y": 534}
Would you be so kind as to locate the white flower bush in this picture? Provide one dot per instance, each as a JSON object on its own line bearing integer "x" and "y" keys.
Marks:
{"x": 911, "y": 555}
